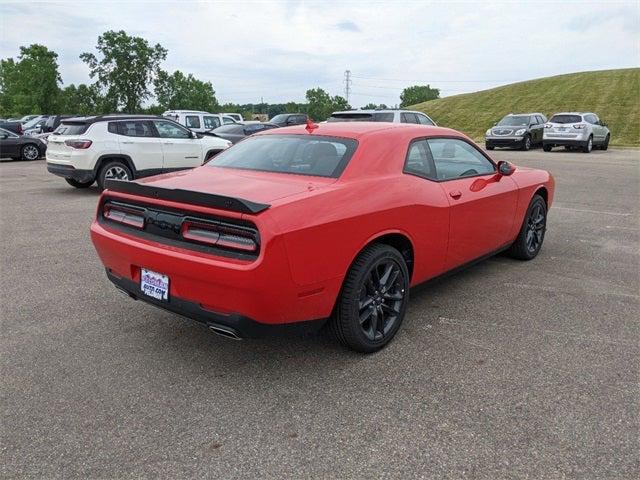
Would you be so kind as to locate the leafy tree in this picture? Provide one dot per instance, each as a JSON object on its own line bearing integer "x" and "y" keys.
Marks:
{"x": 82, "y": 100}
{"x": 125, "y": 69}
{"x": 373, "y": 106}
{"x": 30, "y": 85}
{"x": 177, "y": 91}
{"x": 321, "y": 104}
{"x": 418, "y": 94}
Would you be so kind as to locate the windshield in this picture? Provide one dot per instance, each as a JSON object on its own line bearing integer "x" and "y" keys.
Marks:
{"x": 318, "y": 156}
{"x": 565, "y": 119}
{"x": 514, "y": 121}
{"x": 232, "y": 128}
{"x": 33, "y": 122}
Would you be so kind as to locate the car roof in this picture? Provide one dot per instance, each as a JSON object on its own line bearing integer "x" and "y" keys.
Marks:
{"x": 104, "y": 118}
{"x": 188, "y": 111}
{"x": 572, "y": 113}
{"x": 360, "y": 129}
{"x": 518, "y": 114}
{"x": 382, "y": 110}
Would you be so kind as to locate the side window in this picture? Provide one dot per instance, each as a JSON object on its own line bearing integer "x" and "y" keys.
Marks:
{"x": 533, "y": 120}
{"x": 228, "y": 120}
{"x": 383, "y": 117}
{"x": 171, "y": 130}
{"x": 112, "y": 127}
{"x": 419, "y": 160}
{"x": 192, "y": 121}
{"x": 424, "y": 120}
{"x": 210, "y": 122}
{"x": 456, "y": 158}
{"x": 135, "y": 128}
{"x": 409, "y": 118}
{"x": 591, "y": 119}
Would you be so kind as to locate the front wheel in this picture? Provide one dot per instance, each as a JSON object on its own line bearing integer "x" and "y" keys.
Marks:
{"x": 546, "y": 148}
{"x": 489, "y": 147}
{"x": 526, "y": 144}
{"x": 373, "y": 299}
{"x": 529, "y": 241}
{"x": 605, "y": 145}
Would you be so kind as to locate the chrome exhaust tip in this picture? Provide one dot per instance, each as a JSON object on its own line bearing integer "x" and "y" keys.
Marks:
{"x": 225, "y": 332}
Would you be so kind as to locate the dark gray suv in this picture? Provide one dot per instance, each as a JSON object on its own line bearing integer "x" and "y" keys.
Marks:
{"x": 516, "y": 130}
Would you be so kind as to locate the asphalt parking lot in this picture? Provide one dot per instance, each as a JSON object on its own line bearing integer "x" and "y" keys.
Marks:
{"x": 505, "y": 370}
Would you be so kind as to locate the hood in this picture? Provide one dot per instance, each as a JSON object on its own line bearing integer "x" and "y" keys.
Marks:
{"x": 262, "y": 187}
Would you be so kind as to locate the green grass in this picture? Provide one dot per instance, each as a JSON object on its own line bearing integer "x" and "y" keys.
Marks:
{"x": 614, "y": 95}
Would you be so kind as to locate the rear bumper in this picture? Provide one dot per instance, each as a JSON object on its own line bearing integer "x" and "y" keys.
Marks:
{"x": 68, "y": 171}
{"x": 250, "y": 296}
{"x": 233, "y": 324}
{"x": 564, "y": 142}
{"x": 511, "y": 142}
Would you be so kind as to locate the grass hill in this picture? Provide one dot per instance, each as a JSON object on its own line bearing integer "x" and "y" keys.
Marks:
{"x": 614, "y": 95}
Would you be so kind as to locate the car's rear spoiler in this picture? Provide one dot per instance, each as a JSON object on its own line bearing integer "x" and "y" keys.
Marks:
{"x": 187, "y": 196}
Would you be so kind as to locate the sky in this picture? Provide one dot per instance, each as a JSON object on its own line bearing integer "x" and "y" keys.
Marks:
{"x": 276, "y": 50}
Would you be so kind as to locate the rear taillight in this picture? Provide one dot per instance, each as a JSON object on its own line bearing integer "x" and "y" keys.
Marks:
{"x": 125, "y": 215}
{"x": 224, "y": 236}
{"x": 80, "y": 144}
{"x": 579, "y": 126}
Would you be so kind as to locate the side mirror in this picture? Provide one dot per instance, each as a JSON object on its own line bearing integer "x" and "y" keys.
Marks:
{"x": 505, "y": 168}
{"x": 194, "y": 134}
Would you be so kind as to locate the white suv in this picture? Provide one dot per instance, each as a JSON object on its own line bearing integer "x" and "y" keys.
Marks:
{"x": 395, "y": 116}
{"x": 199, "y": 121}
{"x": 582, "y": 130}
{"x": 87, "y": 149}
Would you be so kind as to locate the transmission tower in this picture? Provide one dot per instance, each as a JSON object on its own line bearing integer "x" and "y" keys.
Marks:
{"x": 347, "y": 84}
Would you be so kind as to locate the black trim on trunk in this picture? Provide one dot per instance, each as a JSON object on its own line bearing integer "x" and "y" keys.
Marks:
{"x": 186, "y": 196}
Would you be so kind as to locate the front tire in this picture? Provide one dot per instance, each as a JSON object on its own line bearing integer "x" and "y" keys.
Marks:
{"x": 373, "y": 299}
{"x": 546, "y": 148}
{"x": 488, "y": 147}
{"x": 77, "y": 184}
{"x": 526, "y": 144}
{"x": 30, "y": 152}
{"x": 529, "y": 241}
{"x": 113, "y": 170}
{"x": 605, "y": 145}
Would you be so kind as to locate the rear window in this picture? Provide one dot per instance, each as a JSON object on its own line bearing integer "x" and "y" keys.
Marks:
{"x": 71, "y": 129}
{"x": 566, "y": 119}
{"x": 361, "y": 117}
{"x": 318, "y": 156}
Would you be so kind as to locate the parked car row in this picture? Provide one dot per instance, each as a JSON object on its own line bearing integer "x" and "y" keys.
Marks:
{"x": 579, "y": 130}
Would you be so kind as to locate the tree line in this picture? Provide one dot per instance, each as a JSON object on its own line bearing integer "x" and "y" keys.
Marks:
{"x": 128, "y": 77}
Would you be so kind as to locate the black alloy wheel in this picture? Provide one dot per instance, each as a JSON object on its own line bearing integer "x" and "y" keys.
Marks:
{"x": 529, "y": 241}
{"x": 373, "y": 299}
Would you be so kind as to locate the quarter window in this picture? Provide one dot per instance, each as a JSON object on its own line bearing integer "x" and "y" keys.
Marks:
{"x": 171, "y": 130}
{"x": 419, "y": 160}
{"x": 456, "y": 158}
{"x": 423, "y": 119}
{"x": 192, "y": 121}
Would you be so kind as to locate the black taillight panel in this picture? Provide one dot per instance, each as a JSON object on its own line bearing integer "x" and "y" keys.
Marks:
{"x": 206, "y": 233}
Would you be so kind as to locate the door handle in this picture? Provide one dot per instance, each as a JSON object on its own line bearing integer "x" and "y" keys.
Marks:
{"x": 128, "y": 143}
{"x": 455, "y": 194}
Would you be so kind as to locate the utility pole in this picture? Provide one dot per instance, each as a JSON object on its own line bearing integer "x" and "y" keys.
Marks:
{"x": 347, "y": 84}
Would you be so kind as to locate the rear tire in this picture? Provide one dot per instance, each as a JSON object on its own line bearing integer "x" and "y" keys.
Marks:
{"x": 30, "y": 152}
{"x": 529, "y": 241}
{"x": 547, "y": 148}
{"x": 77, "y": 184}
{"x": 373, "y": 299}
{"x": 589, "y": 146}
{"x": 113, "y": 170}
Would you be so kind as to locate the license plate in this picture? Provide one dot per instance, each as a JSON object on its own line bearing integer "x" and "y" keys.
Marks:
{"x": 154, "y": 284}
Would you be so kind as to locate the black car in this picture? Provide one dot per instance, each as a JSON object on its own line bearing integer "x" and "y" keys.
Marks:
{"x": 13, "y": 127}
{"x": 20, "y": 147}
{"x": 53, "y": 122}
{"x": 287, "y": 119}
{"x": 235, "y": 132}
{"x": 516, "y": 130}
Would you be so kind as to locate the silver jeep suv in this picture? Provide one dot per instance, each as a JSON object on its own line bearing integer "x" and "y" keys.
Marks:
{"x": 582, "y": 130}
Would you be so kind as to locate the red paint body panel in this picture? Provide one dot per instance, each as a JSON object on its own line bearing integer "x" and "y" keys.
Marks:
{"x": 315, "y": 227}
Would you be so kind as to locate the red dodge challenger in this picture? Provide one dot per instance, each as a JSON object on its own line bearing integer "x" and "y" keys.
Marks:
{"x": 299, "y": 226}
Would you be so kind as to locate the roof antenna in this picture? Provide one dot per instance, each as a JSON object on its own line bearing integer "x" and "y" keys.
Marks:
{"x": 310, "y": 125}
